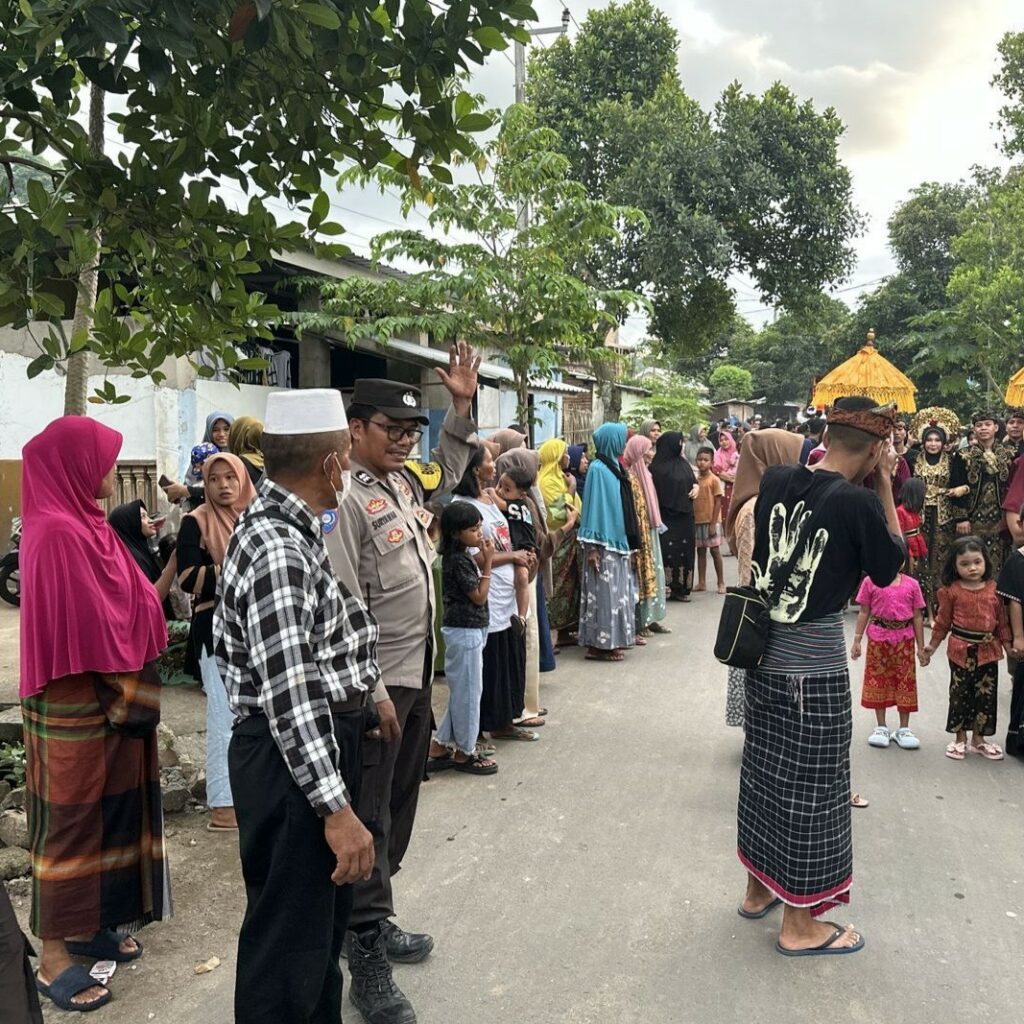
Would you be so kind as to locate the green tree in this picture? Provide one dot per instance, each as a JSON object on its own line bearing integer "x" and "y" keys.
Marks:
{"x": 754, "y": 186}
{"x": 264, "y": 97}
{"x": 510, "y": 289}
{"x": 674, "y": 402}
{"x": 730, "y": 382}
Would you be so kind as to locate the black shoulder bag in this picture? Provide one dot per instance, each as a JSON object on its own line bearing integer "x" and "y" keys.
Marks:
{"x": 746, "y": 613}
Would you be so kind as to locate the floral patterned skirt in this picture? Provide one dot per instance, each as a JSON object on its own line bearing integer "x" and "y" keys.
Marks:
{"x": 973, "y": 692}
{"x": 607, "y": 609}
{"x": 890, "y": 677}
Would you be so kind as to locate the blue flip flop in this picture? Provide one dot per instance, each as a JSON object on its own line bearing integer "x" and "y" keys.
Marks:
{"x": 68, "y": 984}
{"x": 105, "y": 945}
{"x": 761, "y": 913}
{"x": 826, "y": 948}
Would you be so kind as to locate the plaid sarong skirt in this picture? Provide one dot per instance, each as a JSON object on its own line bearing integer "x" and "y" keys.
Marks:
{"x": 94, "y": 809}
{"x": 794, "y": 831}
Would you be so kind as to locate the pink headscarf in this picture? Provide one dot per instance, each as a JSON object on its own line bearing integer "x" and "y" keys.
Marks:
{"x": 217, "y": 521}
{"x": 633, "y": 458}
{"x": 727, "y": 455}
{"x": 86, "y": 605}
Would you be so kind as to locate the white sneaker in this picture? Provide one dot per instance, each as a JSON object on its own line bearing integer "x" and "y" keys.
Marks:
{"x": 906, "y": 739}
{"x": 880, "y": 737}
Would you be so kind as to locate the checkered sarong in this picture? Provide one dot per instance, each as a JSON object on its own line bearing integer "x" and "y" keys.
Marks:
{"x": 794, "y": 806}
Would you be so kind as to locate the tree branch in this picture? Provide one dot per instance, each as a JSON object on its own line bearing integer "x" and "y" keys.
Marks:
{"x": 54, "y": 172}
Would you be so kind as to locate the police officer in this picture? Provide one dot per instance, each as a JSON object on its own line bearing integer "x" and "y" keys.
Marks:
{"x": 380, "y": 549}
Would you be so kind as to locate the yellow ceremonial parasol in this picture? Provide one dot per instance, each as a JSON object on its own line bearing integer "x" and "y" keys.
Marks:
{"x": 1015, "y": 390}
{"x": 867, "y": 373}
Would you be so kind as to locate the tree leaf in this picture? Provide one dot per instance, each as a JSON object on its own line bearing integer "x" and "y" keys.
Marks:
{"x": 490, "y": 38}
{"x": 38, "y": 199}
{"x": 317, "y": 14}
{"x": 155, "y": 65}
{"x": 106, "y": 24}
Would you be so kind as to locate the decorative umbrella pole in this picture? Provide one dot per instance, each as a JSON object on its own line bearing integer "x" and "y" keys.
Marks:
{"x": 867, "y": 373}
{"x": 1015, "y": 390}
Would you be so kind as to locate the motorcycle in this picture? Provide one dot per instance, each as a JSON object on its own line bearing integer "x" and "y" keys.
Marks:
{"x": 10, "y": 577}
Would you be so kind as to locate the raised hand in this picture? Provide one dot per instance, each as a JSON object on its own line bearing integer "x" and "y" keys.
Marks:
{"x": 461, "y": 376}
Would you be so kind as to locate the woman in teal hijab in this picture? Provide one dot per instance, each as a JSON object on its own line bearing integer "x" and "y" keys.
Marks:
{"x": 609, "y": 533}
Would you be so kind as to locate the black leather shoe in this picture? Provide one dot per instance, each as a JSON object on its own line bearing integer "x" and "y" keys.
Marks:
{"x": 405, "y": 947}
{"x": 373, "y": 991}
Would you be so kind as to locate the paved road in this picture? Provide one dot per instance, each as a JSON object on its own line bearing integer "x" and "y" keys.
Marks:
{"x": 594, "y": 878}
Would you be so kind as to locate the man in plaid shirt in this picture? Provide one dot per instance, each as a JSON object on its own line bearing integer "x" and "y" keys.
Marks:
{"x": 297, "y": 653}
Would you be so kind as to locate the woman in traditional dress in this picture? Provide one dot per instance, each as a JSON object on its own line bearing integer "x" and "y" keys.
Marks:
{"x": 91, "y": 630}
{"x": 564, "y": 603}
{"x": 202, "y": 544}
{"x": 609, "y": 534}
{"x": 504, "y": 692}
{"x": 762, "y": 448}
{"x": 651, "y": 607}
{"x": 245, "y": 439}
{"x": 724, "y": 467}
{"x": 676, "y": 487}
{"x": 935, "y": 426}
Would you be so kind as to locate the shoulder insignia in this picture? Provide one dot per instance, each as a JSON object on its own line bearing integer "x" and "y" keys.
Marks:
{"x": 428, "y": 474}
{"x": 363, "y": 477}
{"x": 328, "y": 520}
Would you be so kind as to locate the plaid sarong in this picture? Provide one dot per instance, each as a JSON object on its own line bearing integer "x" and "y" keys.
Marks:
{"x": 94, "y": 810}
{"x": 794, "y": 830}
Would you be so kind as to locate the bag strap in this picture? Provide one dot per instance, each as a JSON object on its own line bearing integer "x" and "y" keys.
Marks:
{"x": 781, "y": 577}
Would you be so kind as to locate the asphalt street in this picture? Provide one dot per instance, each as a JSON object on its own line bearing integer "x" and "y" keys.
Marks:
{"x": 594, "y": 879}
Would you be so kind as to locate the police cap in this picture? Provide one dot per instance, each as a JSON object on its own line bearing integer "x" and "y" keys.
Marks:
{"x": 391, "y": 398}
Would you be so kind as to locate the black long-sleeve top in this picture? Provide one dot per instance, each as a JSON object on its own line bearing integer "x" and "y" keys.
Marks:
{"x": 197, "y": 576}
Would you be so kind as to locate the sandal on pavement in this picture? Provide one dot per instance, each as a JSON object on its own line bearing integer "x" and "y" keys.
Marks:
{"x": 72, "y": 980}
{"x": 487, "y": 749}
{"x": 441, "y": 763}
{"x": 758, "y": 914}
{"x": 526, "y": 735}
{"x": 826, "y": 948}
{"x": 604, "y": 656}
{"x": 211, "y": 827}
{"x": 657, "y": 627}
{"x": 856, "y": 800}
{"x": 531, "y": 723}
{"x": 640, "y": 641}
{"x": 991, "y": 751}
{"x": 106, "y": 945}
{"x": 476, "y": 765}
{"x": 956, "y": 751}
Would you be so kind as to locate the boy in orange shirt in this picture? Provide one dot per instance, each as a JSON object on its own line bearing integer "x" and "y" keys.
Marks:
{"x": 707, "y": 519}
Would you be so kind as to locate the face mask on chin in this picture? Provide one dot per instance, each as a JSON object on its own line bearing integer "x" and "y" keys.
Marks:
{"x": 344, "y": 479}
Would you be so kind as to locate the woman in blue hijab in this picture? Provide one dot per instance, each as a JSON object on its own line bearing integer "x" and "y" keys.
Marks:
{"x": 609, "y": 533}
{"x": 578, "y": 465}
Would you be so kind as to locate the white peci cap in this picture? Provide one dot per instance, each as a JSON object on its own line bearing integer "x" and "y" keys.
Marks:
{"x": 305, "y": 411}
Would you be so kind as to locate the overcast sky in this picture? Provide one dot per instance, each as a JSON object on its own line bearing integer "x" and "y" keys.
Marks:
{"x": 909, "y": 78}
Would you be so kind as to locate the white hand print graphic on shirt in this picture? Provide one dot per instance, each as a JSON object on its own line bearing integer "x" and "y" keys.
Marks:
{"x": 792, "y": 581}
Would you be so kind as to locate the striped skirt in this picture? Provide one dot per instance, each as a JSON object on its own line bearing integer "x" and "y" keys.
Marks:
{"x": 94, "y": 810}
{"x": 794, "y": 831}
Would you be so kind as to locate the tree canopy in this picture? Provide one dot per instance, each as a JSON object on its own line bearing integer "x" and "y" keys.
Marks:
{"x": 756, "y": 185}
{"x": 486, "y": 277}
{"x": 262, "y": 98}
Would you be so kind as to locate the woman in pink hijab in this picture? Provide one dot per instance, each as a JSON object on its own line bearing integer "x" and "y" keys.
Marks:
{"x": 724, "y": 467}
{"x": 91, "y": 628}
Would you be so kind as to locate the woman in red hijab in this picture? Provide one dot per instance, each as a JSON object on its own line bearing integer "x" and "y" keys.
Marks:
{"x": 91, "y": 628}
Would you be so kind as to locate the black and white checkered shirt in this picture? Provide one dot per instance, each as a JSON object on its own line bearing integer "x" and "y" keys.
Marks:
{"x": 291, "y": 642}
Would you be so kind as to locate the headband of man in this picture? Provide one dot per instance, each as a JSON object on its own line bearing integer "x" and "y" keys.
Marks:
{"x": 878, "y": 422}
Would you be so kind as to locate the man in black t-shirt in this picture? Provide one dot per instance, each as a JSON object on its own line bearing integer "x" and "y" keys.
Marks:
{"x": 817, "y": 532}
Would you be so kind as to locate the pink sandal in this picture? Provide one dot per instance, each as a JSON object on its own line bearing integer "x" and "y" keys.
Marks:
{"x": 991, "y": 751}
{"x": 955, "y": 751}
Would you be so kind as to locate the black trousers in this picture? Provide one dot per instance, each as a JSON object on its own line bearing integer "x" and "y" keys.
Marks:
{"x": 19, "y": 1001}
{"x": 392, "y": 773}
{"x": 295, "y": 917}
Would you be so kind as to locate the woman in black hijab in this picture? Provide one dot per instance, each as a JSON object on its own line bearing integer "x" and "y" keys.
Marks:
{"x": 132, "y": 524}
{"x": 676, "y": 486}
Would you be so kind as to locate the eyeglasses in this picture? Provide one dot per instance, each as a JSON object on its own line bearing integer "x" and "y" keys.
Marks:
{"x": 398, "y": 433}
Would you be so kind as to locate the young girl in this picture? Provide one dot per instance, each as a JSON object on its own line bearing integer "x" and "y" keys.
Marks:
{"x": 972, "y": 613}
{"x": 909, "y": 514}
{"x": 465, "y": 589}
{"x": 707, "y": 519}
{"x": 511, "y": 495}
{"x": 893, "y": 619}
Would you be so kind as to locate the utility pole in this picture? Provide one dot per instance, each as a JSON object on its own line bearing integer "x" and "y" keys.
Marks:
{"x": 520, "y": 68}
